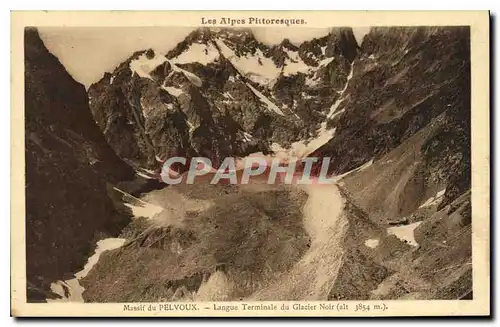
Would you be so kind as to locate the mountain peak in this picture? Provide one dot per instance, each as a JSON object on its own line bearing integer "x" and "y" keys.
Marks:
{"x": 289, "y": 45}
{"x": 200, "y": 35}
{"x": 239, "y": 34}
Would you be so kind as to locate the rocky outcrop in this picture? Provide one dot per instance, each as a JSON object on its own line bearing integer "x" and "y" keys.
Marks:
{"x": 67, "y": 165}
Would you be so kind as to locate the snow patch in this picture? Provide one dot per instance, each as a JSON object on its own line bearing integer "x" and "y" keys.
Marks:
{"x": 248, "y": 137}
{"x": 433, "y": 200}
{"x": 197, "y": 52}
{"x": 174, "y": 91}
{"x": 336, "y": 104}
{"x": 303, "y": 148}
{"x": 73, "y": 286}
{"x": 325, "y": 61}
{"x": 294, "y": 64}
{"x": 142, "y": 66}
{"x": 305, "y": 96}
{"x": 405, "y": 233}
{"x": 141, "y": 208}
{"x": 139, "y": 173}
{"x": 106, "y": 244}
{"x": 257, "y": 67}
{"x": 372, "y": 243}
{"x": 144, "y": 209}
{"x": 190, "y": 76}
{"x": 295, "y": 114}
{"x": 111, "y": 80}
{"x": 191, "y": 127}
{"x": 335, "y": 114}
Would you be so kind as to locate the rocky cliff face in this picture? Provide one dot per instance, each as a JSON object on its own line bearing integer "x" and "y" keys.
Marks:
{"x": 407, "y": 114}
{"x": 407, "y": 80}
{"x": 67, "y": 165}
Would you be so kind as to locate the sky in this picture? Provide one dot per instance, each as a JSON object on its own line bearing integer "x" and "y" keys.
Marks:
{"x": 88, "y": 52}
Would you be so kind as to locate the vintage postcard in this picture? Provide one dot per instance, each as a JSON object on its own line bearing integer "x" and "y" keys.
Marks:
{"x": 214, "y": 164}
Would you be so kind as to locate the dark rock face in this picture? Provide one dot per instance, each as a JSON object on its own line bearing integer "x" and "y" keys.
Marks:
{"x": 407, "y": 108}
{"x": 67, "y": 165}
{"x": 404, "y": 80}
{"x": 408, "y": 103}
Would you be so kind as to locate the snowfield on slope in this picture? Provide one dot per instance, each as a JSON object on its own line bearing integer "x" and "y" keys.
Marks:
{"x": 143, "y": 66}
{"x": 294, "y": 64}
{"x": 433, "y": 200}
{"x": 75, "y": 290}
{"x": 190, "y": 76}
{"x": 257, "y": 67}
{"x": 341, "y": 98}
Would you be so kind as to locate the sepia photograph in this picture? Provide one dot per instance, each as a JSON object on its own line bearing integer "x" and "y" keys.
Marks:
{"x": 252, "y": 164}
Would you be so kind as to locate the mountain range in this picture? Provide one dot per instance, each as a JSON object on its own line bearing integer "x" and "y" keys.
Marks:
{"x": 393, "y": 113}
